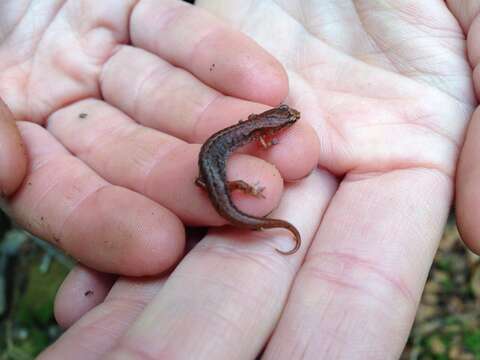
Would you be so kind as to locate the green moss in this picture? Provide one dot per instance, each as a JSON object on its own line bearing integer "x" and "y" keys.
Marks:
{"x": 30, "y": 273}
{"x": 444, "y": 263}
{"x": 472, "y": 342}
{"x": 36, "y": 303}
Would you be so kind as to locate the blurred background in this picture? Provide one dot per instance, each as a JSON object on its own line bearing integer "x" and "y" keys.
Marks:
{"x": 30, "y": 273}
{"x": 447, "y": 324}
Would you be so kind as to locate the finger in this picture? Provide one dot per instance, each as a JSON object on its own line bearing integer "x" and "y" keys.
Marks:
{"x": 159, "y": 95}
{"x": 467, "y": 189}
{"x": 105, "y": 227}
{"x": 81, "y": 291}
{"x": 223, "y": 300}
{"x": 157, "y": 165}
{"x": 363, "y": 277}
{"x": 221, "y": 57}
{"x": 13, "y": 159}
{"x": 464, "y": 11}
{"x": 98, "y": 330}
{"x": 468, "y": 172}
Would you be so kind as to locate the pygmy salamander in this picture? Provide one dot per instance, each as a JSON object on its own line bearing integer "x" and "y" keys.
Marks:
{"x": 212, "y": 167}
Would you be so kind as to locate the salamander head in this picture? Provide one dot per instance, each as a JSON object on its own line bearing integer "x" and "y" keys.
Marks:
{"x": 288, "y": 112}
{"x": 280, "y": 117}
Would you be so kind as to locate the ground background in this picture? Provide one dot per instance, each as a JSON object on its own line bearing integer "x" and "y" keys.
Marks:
{"x": 447, "y": 324}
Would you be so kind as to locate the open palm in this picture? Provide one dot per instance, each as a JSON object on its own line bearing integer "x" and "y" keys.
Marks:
{"x": 388, "y": 90}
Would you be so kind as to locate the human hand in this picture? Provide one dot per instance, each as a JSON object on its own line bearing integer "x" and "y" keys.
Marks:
{"x": 388, "y": 89}
{"x": 125, "y": 90}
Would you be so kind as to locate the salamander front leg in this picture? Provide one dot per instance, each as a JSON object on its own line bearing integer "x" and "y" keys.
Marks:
{"x": 256, "y": 191}
{"x": 266, "y": 143}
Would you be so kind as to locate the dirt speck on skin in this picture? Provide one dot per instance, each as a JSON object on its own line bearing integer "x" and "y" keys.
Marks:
{"x": 82, "y": 115}
{"x": 212, "y": 67}
{"x": 88, "y": 293}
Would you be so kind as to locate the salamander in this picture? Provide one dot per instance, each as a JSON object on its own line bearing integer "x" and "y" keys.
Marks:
{"x": 212, "y": 162}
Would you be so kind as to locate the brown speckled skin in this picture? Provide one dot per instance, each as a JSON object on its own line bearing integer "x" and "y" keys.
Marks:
{"x": 213, "y": 159}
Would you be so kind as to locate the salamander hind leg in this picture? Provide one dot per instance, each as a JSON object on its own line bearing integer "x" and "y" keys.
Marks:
{"x": 256, "y": 190}
{"x": 200, "y": 182}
